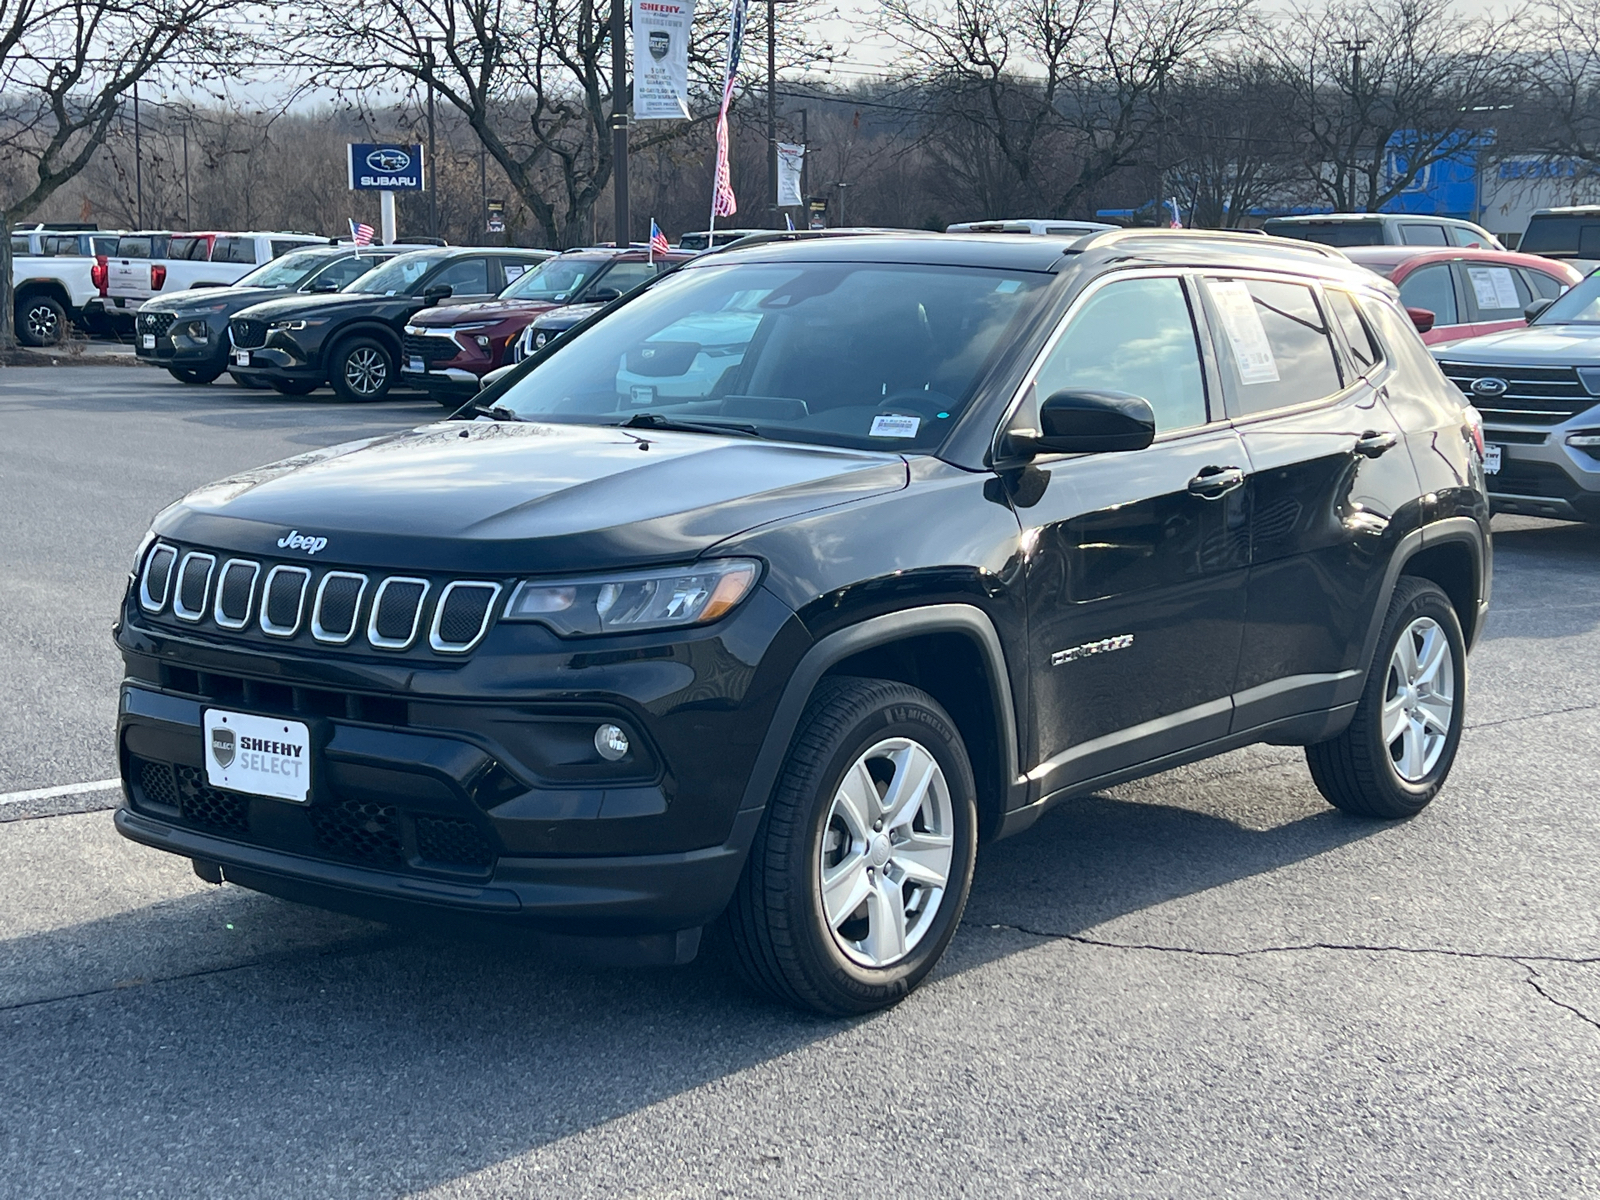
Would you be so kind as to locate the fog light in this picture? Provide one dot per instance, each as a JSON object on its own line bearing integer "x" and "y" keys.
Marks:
{"x": 1587, "y": 440}
{"x": 483, "y": 342}
{"x": 611, "y": 743}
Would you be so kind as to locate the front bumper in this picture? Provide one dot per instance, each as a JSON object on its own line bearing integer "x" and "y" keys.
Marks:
{"x": 1541, "y": 475}
{"x": 444, "y": 382}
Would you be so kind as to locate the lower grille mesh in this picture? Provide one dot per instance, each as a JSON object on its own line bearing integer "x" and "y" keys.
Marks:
{"x": 361, "y": 831}
{"x": 203, "y": 804}
{"x": 445, "y": 840}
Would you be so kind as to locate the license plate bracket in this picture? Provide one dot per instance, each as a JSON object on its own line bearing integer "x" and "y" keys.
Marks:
{"x": 241, "y": 358}
{"x": 149, "y": 341}
{"x": 1492, "y": 457}
{"x": 416, "y": 366}
{"x": 260, "y": 756}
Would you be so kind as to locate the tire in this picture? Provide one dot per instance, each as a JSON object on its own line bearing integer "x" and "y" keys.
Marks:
{"x": 361, "y": 370}
{"x": 815, "y": 828}
{"x": 196, "y": 378}
{"x": 294, "y": 387}
{"x": 41, "y": 321}
{"x": 1363, "y": 771}
{"x": 251, "y": 385}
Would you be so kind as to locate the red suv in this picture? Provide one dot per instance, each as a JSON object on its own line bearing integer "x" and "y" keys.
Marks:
{"x": 451, "y": 347}
{"x": 1467, "y": 292}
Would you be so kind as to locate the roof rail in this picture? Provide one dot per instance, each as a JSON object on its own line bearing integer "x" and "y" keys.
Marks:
{"x": 808, "y": 235}
{"x": 1216, "y": 237}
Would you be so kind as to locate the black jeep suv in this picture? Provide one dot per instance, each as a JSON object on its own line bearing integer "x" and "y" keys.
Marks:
{"x": 773, "y": 592}
{"x": 352, "y": 339}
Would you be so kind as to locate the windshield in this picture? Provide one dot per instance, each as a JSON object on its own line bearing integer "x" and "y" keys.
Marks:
{"x": 286, "y": 272}
{"x": 1579, "y": 306}
{"x": 397, "y": 276}
{"x": 554, "y": 280}
{"x": 868, "y": 355}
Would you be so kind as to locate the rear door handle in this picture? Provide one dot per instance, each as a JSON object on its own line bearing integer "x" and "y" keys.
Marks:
{"x": 1372, "y": 443}
{"x": 1213, "y": 483}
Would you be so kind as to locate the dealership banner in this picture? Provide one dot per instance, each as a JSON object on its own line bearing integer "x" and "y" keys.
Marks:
{"x": 791, "y": 159}
{"x": 382, "y": 167}
{"x": 661, "y": 59}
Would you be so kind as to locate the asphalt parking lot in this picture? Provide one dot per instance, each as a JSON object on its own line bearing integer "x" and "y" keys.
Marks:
{"x": 1207, "y": 983}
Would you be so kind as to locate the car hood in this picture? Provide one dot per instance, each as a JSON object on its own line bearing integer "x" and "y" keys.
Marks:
{"x": 299, "y": 304}
{"x": 514, "y": 497}
{"x": 568, "y": 315}
{"x": 1534, "y": 345}
{"x": 445, "y": 315}
{"x": 238, "y": 297}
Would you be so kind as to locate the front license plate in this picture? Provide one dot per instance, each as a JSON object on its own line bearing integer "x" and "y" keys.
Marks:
{"x": 149, "y": 342}
{"x": 241, "y": 358}
{"x": 265, "y": 756}
{"x": 1491, "y": 460}
{"x": 416, "y": 365}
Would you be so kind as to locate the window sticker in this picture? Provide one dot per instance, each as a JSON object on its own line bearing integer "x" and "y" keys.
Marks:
{"x": 1007, "y": 286}
{"x": 1251, "y": 350}
{"x": 895, "y": 427}
{"x": 514, "y": 271}
{"x": 1494, "y": 287}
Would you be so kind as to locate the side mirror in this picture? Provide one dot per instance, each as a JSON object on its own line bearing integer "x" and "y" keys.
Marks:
{"x": 1531, "y": 313}
{"x": 324, "y": 285}
{"x": 1422, "y": 318}
{"x": 1090, "y": 423}
{"x": 602, "y": 296}
{"x": 438, "y": 292}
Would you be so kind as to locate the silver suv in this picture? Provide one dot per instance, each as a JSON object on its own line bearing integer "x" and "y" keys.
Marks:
{"x": 1539, "y": 392}
{"x": 1383, "y": 229}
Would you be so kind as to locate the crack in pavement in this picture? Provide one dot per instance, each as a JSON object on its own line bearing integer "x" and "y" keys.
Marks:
{"x": 1554, "y": 712}
{"x": 1533, "y": 982}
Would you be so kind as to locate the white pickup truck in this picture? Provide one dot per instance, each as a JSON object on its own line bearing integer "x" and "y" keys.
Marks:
{"x": 51, "y": 292}
{"x": 153, "y": 262}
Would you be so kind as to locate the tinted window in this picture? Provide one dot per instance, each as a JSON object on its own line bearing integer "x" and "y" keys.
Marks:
{"x": 285, "y": 247}
{"x": 626, "y": 276}
{"x": 1135, "y": 336}
{"x": 1363, "y": 345}
{"x": 1431, "y": 288}
{"x": 188, "y": 248}
{"x": 1495, "y": 293}
{"x": 875, "y": 356}
{"x": 133, "y": 247}
{"x": 1331, "y": 233}
{"x": 1557, "y": 234}
{"x": 19, "y": 245}
{"x": 1415, "y": 234}
{"x": 234, "y": 250}
{"x": 1273, "y": 343}
{"x": 344, "y": 272}
{"x": 1548, "y": 287}
{"x": 104, "y": 245}
{"x": 1462, "y": 235}
{"x": 468, "y": 277}
{"x": 61, "y": 244}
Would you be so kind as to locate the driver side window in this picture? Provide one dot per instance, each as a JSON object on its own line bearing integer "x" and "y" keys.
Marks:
{"x": 1134, "y": 336}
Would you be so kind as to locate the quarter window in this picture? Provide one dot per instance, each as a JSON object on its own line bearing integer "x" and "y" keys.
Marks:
{"x": 1134, "y": 336}
{"x": 1274, "y": 343}
{"x": 1548, "y": 287}
{"x": 1432, "y": 288}
{"x": 234, "y": 250}
{"x": 1364, "y": 346}
{"x": 1415, "y": 234}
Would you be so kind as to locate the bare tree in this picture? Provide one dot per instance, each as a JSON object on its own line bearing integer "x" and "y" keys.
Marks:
{"x": 1380, "y": 91}
{"x": 66, "y": 67}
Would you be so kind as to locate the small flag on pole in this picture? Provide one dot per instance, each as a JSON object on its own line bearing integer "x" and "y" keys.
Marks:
{"x": 361, "y": 235}
{"x": 1177, "y": 221}
{"x": 658, "y": 240}
{"x": 788, "y": 222}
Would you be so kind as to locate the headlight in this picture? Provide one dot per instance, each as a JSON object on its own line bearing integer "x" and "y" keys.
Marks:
{"x": 662, "y": 599}
{"x": 197, "y": 330}
{"x": 539, "y": 339}
{"x": 291, "y": 326}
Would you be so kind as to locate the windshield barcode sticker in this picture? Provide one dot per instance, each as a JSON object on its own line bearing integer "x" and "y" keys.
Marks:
{"x": 898, "y": 427}
{"x": 1251, "y": 350}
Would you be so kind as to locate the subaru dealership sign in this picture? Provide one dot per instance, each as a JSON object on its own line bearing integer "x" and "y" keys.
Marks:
{"x": 385, "y": 168}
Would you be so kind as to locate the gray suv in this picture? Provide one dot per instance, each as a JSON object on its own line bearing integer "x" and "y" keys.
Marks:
{"x": 1538, "y": 390}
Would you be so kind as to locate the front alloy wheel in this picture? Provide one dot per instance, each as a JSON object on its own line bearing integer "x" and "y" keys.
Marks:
{"x": 864, "y": 855}
{"x": 363, "y": 370}
{"x": 43, "y": 323}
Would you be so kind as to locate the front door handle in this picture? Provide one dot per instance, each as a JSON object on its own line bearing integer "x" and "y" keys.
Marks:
{"x": 1373, "y": 444}
{"x": 1213, "y": 483}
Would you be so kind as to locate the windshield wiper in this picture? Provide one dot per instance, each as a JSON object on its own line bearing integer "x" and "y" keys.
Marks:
{"x": 650, "y": 420}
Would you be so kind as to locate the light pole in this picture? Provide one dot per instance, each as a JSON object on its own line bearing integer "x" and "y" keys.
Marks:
{"x": 433, "y": 184}
{"x": 619, "y": 118}
{"x": 841, "y": 185}
{"x": 138, "y": 163}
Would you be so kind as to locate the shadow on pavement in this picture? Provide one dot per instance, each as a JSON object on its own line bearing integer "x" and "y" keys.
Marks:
{"x": 370, "y": 1067}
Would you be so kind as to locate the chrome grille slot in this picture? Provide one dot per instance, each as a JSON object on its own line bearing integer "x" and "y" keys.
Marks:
{"x": 283, "y": 600}
{"x": 333, "y": 616}
{"x": 194, "y": 586}
{"x": 1533, "y": 395}
{"x": 236, "y": 587}
{"x": 396, "y": 612}
{"x": 461, "y": 617}
{"x": 156, "y": 577}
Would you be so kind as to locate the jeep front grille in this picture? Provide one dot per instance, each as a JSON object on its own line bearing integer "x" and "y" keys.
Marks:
{"x": 1533, "y": 395}
{"x": 288, "y": 601}
{"x": 247, "y": 334}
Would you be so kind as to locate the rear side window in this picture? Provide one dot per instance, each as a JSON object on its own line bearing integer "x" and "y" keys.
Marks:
{"x": 133, "y": 247}
{"x": 1547, "y": 287}
{"x": 234, "y": 250}
{"x": 1432, "y": 288}
{"x": 465, "y": 277}
{"x": 1414, "y": 233}
{"x": 1496, "y": 293}
{"x": 1461, "y": 235}
{"x": 1358, "y": 335}
{"x": 1274, "y": 343}
{"x": 284, "y": 247}
{"x": 1134, "y": 336}
{"x": 192, "y": 249}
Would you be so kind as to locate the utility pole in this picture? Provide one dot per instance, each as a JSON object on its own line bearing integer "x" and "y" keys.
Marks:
{"x": 138, "y": 163}
{"x": 1355, "y": 46}
{"x": 619, "y": 118}
{"x": 433, "y": 184}
{"x": 188, "y": 210}
{"x": 805, "y": 169}
{"x": 483, "y": 185}
{"x": 841, "y": 185}
{"x": 772, "y": 111}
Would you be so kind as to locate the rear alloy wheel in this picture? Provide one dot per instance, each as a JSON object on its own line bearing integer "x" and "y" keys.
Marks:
{"x": 864, "y": 857}
{"x": 191, "y": 376}
{"x": 294, "y": 387}
{"x": 1398, "y": 749}
{"x": 362, "y": 370}
{"x": 41, "y": 321}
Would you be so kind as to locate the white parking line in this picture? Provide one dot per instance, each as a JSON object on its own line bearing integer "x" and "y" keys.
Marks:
{"x": 66, "y": 789}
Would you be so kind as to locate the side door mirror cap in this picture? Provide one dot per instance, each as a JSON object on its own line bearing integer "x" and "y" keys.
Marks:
{"x": 1422, "y": 318}
{"x": 1531, "y": 313}
{"x": 1089, "y": 422}
{"x": 436, "y": 293}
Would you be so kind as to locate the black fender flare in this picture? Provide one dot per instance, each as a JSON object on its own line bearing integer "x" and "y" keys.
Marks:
{"x": 965, "y": 619}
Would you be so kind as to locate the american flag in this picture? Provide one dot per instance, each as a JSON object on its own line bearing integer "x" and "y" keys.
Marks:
{"x": 362, "y": 235}
{"x": 723, "y": 203}
{"x": 658, "y": 240}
